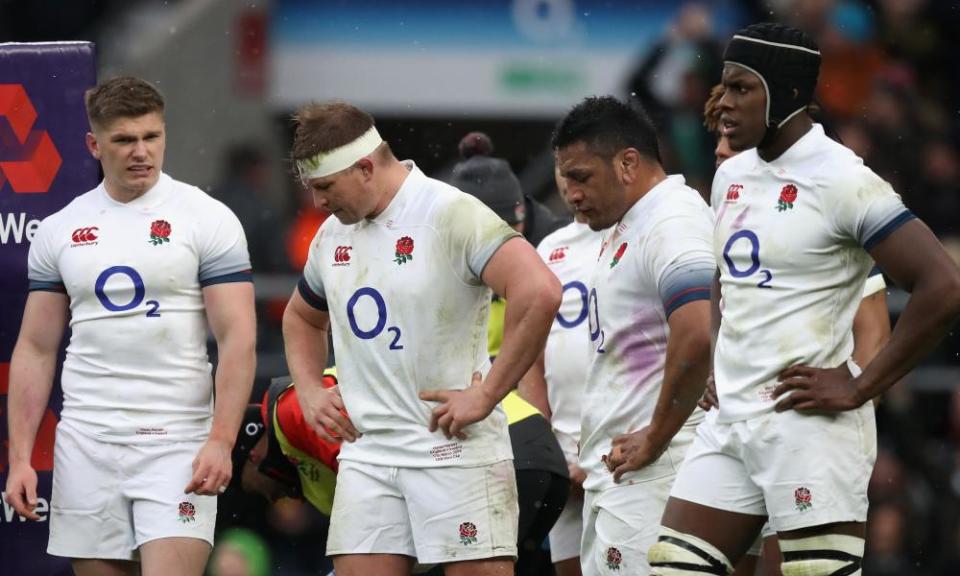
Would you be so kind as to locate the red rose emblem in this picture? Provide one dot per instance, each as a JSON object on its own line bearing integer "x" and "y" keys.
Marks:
{"x": 405, "y": 246}
{"x": 468, "y": 530}
{"x": 787, "y": 197}
{"x": 803, "y": 498}
{"x": 614, "y": 558}
{"x": 468, "y": 533}
{"x": 159, "y": 232}
{"x": 404, "y": 250}
{"x": 789, "y": 194}
{"x": 186, "y": 512}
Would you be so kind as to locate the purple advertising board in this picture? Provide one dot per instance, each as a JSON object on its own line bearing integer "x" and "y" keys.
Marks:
{"x": 44, "y": 164}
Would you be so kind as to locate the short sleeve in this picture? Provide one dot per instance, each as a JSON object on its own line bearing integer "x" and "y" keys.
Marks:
{"x": 42, "y": 270}
{"x": 310, "y": 286}
{"x": 472, "y": 233}
{"x": 866, "y": 209}
{"x": 679, "y": 255}
{"x": 222, "y": 248}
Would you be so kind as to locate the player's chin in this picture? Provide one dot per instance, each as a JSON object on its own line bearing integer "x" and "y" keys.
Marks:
{"x": 595, "y": 222}
{"x": 345, "y": 218}
{"x": 141, "y": 182}
{"x": 740, "y": 141}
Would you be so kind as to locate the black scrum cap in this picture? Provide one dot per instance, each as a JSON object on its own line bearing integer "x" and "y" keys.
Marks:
{"x": 787, "y": 62}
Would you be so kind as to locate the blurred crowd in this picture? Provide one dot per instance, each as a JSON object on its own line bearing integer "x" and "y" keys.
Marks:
{"x": 886, "y": 90}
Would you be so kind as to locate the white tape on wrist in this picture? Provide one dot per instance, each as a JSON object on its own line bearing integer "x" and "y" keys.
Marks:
{"x": 853, "y": 368}
{"x": 327, "y": 163}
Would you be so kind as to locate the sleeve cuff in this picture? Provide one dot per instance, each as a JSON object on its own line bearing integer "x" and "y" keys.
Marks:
{"x": 888, "y": 229}
{"x": 39, "y": 286}
{"x": 311, "y": 297}
{"x": 242, "y": 276}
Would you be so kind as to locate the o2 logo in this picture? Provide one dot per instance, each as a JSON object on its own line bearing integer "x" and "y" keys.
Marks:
{"x": 153, "y": 307}
{"x": 582, "y": 315}
{"x": 751, "y": 237}
{"x": 377, "y": 328}
{"x": 593, "y": 313}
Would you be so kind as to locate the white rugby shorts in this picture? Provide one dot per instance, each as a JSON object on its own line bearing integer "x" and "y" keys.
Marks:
{"x": 800, "y": 470}
{"x": 109, "y": 499}
{"x": 620, "y": 524}
{"x": 437, "y": 515}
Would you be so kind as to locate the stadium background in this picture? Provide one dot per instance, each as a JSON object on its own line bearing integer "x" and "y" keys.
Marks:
{"x": 432, "y": 70}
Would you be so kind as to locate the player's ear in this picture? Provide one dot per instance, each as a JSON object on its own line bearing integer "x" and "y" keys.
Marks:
{"x": 627, "y": 165}
{"x": 92, "y": 145}
{"x": 366, "y": 167}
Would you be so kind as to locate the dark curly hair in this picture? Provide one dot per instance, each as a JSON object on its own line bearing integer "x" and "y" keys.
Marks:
{"x": 607, "y": 125}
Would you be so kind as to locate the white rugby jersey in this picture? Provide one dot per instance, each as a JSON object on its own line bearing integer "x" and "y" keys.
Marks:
{"x": 570, "y": 253}
{"x": 656, "y": 259}
{"x": 790, "y": 241}
{"x": 136, "y": 369}
{"x": 409, "y": 313}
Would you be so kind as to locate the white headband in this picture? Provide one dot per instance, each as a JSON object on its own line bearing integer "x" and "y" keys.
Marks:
{"x": 327, "y": 163}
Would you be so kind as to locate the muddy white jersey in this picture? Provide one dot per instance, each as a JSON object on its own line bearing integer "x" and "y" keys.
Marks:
{"x": 136, "y": 369}
{"x": 658, "y": 258}
{"x": 791, "y": 243}
{"x": 409, "y": 313}
{"x": 570, "y": 253}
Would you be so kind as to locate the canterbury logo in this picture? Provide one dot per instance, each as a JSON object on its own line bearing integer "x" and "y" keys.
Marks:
{"x": 342, "y": 254}
{"x": 559, "y": 254}
{"x": 81, "y": 235}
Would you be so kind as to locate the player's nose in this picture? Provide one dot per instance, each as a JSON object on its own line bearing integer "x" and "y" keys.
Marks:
{"x": 140, "y": 149}
{"x": 320, "y": 201}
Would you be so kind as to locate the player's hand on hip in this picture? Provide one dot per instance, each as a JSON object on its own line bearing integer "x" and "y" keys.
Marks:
{"x": 212, "y": 469}
{"x": 709, "y": 399}
{"x": 817, "y": 390}
{"x": 634, "y": 451}
{"x": 21, "y": 490}
{"x": 324, "y": 411}
{"x": 459, "y": 408}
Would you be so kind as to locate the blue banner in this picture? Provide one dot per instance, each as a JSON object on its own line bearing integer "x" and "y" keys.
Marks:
{"x": 525, "y": 58}
{"x": 44, "y": 164}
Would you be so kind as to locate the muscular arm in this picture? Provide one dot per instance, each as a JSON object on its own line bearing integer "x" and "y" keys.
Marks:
{"x": 685, "y": 371}
{"x": 533, "y": 386}
{"x": 913, "y": 257}
{"x": 230, "y": 313}
{"x": 532, "y": 292}
{"x": 232, "y": 318}
{"x": 686, "y": 367}
{"x": 871, "y": 327}
{"x": 305, "y": 331}
{"x": 32, "y": 369}
{"x": 709, "y": 400}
